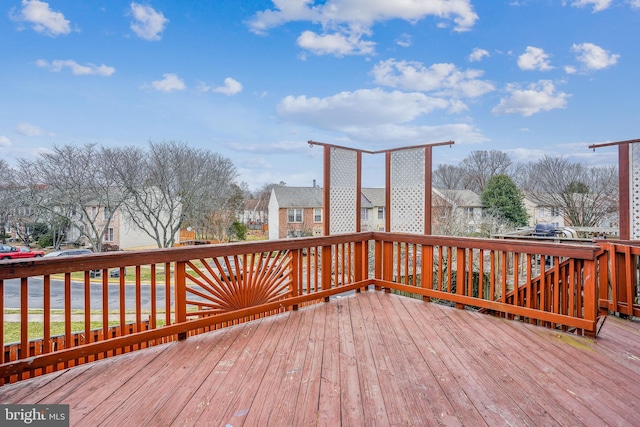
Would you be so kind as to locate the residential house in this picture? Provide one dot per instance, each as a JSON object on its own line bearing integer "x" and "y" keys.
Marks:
{"x": 295, "y": 212}
{"x": 456, "y": 212}
{"x": 255, "y": 214}
{"x": 542, "y": 213}
{"x": 121, "y": 232}
{"x": 298, "y": 211}
{"x": 373, "y": 211}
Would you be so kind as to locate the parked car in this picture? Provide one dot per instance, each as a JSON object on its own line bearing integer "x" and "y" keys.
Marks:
{"x": 68, "y": 252}
{"x": 17, "y": 252}
{"x": 112, "y": 273}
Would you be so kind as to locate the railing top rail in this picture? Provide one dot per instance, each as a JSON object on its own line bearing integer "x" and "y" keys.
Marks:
{"x": 42, "y": 266}
{"x": 587, "y": 252}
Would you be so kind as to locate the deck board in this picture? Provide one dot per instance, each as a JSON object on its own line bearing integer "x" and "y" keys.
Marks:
{"x": 369, "y": 358}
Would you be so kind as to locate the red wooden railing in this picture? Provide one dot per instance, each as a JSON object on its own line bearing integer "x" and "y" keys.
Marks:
{"x": 622, "y": 293}
{"x": 169, "y": 294}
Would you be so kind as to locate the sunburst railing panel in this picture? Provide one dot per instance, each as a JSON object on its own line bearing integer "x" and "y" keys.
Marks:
{"x": 225, "y": 284}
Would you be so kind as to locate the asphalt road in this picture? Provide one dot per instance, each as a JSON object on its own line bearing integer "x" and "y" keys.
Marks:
{"x": 12, "y": 292}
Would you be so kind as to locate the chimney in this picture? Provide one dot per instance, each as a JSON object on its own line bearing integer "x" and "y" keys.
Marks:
{"x": 314, "y": 183}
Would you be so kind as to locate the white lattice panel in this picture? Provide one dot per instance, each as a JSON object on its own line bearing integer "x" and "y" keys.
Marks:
{"x": 342, "y": 195}
{"x": 634, "y": 197}
{"x": 407, "y": 190}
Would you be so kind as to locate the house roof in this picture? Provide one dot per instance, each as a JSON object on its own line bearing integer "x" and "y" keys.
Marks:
{"x": 298, "y": 197}
{"x": 312, "y": 197}
{"x": 374, "y": 196}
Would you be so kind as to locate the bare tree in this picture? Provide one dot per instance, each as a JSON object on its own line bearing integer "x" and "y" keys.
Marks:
{"x": 448, "y": 177}
{"x": 171, "y": 185}
{"x": 480, "y": 166}
{"x": 585, "y": 195}
{"x": 79, "y": 179}
{"x": 7, "y": 197}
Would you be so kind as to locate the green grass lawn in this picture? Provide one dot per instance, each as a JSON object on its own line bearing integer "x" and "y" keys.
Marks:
{"x": 36, "y": 329}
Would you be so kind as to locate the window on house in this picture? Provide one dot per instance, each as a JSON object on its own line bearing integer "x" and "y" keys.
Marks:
{"x": 109, "y": 235}
{"x": 380, "y": 213}
{"x": 317, "y": 215}
{"x": 364, "y": 213}
{"x": 541, "y": 212}
{"x": 107, "y": 213}
{"x": 94, "y": 211}
{"x": 295, "y": 215}
{"x": 555, "y": 211}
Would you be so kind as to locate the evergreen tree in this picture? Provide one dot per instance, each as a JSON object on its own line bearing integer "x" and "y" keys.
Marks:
{"x": 502, "y": 198}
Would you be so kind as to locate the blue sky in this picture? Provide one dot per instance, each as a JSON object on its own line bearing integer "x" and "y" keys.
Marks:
{"x": 255, "y": 80}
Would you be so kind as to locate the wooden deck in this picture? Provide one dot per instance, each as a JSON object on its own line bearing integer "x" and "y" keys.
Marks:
{"x": 364, "y": 359}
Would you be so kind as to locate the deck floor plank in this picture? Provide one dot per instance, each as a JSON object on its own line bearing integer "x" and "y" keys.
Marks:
{"x": 494, "y": 405}
{"x": 329, "y": 398}
{"x": 307, "y": 401}
{"x": 576, "y": 367}
{"x": 283, "y": 414}
{"x": 417, "y": 387}
{"x": 395, "y": 403}
{"x": 254, "y": 379}
{"x": 133, "y": 397}
{"x": 368, "y": 358}
{"x": 434, "y": 351}
{"x": 513, "y": 368}
{"x": 373, "y": 404}
{"x": 212, "y": 369}
{"x": 351, "y": 410}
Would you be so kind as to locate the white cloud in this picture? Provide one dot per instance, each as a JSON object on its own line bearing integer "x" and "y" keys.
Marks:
{"x": 442, "y": 79}
{"x": 594, "y": 57}
{"x": 231, "y": 87}
{"x": 27, "y": 129}
{"x": 4, "y": 141}
{"x": 478, "y": 54}
{"x": 534, "y": 59}
{"x": 524, "y": 155}
{"x": 405, "y": 40}
{"x": 345, "y": 21}
{"x": 77, "y": 69}
{"x": 43, "y": 19}
{"x": 286, "y": 146}
{"x": 335, "y": 44}
{"x": 634, "y": 3}
{"x": 169, "y": 83}
{"x": 598, "y": 5}
{"x": 388, "y": 134}
{"x": 148, "y": 23}
{"x": 364, "y": 107}
{"x": 537, "y": 97}
{"x": 569, "y": 69}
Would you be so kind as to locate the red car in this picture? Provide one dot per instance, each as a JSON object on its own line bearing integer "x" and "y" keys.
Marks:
{"x": 13, "y": 252}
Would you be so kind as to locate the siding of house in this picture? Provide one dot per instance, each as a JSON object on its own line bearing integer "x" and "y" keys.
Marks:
{"x": 284, "y": 198}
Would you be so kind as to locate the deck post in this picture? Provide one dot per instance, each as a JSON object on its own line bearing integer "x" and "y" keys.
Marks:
{"x": 377, "y": 260}
{"x": 426, "y": 273}
{"x": 358, "y": 257}
{"x": 387, "y": 268}
{"x": 180, "y": 298}
{"x": 326, "y": 270}
{"x": 460, "y": 274}
{"x": 296, "y": 269}
{"x": 589, "y": 288}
